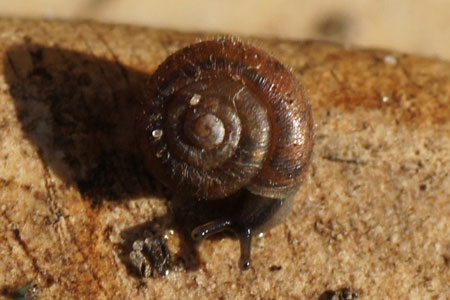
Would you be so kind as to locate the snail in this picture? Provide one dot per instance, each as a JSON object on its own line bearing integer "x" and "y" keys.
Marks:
{"x": 228, "y": 128}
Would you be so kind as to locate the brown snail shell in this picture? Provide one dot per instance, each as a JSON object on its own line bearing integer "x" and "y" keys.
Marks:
{"x": 224, "y": 120}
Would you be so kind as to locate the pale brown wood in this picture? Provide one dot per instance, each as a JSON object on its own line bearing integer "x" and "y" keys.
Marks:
{"x": 373, "y": 214}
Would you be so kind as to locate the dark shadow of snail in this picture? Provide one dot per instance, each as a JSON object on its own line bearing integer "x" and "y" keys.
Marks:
{"x": 79, "y": 112}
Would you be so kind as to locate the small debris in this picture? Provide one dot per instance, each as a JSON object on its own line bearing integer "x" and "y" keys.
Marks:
{"x": 29, "y": 291}
{"x": 275, "y": 268}
{"x": 390, "y": 60}
{"x": 385, "y": 99}
{"x": 151, "y": 256}
{"x": 33, "y": 291}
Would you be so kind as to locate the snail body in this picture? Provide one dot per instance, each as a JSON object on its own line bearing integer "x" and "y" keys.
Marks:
{"x": 225, "y": 124}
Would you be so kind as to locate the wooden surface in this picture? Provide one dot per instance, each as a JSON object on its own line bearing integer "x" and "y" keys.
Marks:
{"x": 373, "y": 214}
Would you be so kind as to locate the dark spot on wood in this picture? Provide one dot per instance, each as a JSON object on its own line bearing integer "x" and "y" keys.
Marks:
{"x": 26, "y": 187}
{"x": 5, "y": 182}
{"x": 275, "y": 268}
{"x": 341, "y": 294}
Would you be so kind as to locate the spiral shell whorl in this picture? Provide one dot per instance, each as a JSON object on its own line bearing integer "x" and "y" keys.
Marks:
{"x": 221, "y": 115}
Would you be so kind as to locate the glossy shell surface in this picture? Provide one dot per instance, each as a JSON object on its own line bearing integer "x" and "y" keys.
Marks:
{"x": 219, "y": 116}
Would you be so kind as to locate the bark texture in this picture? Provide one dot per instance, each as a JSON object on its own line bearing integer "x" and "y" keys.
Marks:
{"x": 373, "y": 216}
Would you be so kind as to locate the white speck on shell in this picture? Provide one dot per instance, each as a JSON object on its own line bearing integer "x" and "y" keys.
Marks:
{"x": 195, "y": 99}
{"x": 385, "y": 99}
{"x": 157, "y": 133}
